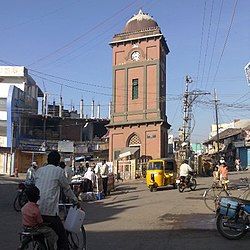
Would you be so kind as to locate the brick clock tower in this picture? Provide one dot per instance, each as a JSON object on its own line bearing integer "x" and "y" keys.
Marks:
{"x": 138, "y": 124}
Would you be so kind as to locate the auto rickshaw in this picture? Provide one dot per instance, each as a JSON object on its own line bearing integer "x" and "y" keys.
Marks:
{"x": 161, "y": 172}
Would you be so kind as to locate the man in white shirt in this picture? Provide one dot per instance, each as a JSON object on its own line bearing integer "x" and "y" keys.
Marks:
{"x": 185, "y": 169}
{"x": 30, "y": 176}
{"x": 68, "y": 173}
{"x": 104, "y": 170}
{"x": 49, "y": 180}
{"x": 90, "y": 175}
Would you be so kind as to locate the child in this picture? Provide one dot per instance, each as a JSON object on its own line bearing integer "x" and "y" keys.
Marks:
{"x": 32, "y": 219}
{"x": 223, "y": 170}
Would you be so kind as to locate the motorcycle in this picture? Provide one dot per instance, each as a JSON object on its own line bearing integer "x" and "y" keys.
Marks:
{"x": 233, "y": 217}
{"x": 186, "y": 182}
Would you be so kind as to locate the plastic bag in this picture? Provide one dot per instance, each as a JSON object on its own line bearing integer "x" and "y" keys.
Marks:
{"x": 74, "y": 220}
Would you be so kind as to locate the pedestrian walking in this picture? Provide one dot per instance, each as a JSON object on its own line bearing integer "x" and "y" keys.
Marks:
{"x": 31, "y": 172}
{"x": 223, "y": 171}
{"x": 237, "y": 164}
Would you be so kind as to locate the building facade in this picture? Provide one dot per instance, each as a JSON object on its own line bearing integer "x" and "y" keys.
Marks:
{"x": 138, "y": 122}
{"x": 18, "y": 95}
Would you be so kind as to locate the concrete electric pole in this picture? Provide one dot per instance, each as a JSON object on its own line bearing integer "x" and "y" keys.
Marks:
{"x": 217, "y": 121}
{"x": 188, "y": 99}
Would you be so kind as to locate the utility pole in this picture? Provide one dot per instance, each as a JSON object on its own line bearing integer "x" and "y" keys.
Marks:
{"x": 11, "y": 149}
{"x": 186, "y": 109}
{"x": 188, "y": 99}
{"x": 45, "y": 109}
{"x": 217, "y": 121}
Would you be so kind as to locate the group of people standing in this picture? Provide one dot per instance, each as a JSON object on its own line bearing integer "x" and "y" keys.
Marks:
{"x": 96, "y": 176}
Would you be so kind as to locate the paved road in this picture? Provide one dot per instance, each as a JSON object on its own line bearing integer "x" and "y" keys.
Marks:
{"x": 134, "y": 218}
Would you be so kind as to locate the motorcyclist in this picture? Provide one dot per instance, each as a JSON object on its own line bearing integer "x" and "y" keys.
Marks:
{"x": 185, "y": 169}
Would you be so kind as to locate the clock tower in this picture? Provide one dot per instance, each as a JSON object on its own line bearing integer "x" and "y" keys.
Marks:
{"x": 138, "y": 124}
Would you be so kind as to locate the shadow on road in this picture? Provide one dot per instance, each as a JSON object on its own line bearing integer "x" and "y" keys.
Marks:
{"x": 162, "y": 240}
{"x": 194, "y": 198}
{"x": 101, "y": 211}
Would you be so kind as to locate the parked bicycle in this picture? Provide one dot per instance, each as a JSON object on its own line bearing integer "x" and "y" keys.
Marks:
{"x": 36, "y": 241}
{"x": 212, "y": 195}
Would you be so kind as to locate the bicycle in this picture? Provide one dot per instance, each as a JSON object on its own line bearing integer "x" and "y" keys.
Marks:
{"x": 212, "y": 195}
{"x": 21, "y": 198}
{"x": 32, "y": 240}
{"x": 36, "y": 241}
{"x": 76, "y": 240}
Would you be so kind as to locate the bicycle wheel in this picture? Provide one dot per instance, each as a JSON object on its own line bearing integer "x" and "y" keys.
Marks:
{"x": 211, "y": 197}
{"x": 77, "y": 240}
{"x": 33, "y": 244}
{"x": 193, "y": 184}
{"x": 22, "y": 199}
{"x": 16, "y": 203}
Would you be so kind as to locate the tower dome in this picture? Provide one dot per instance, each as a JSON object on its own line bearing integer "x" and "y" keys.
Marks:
{"x": 140, "y": 21}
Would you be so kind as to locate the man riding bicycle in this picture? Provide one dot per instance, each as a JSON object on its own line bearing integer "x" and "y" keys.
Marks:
{"x": 49, "y": 180}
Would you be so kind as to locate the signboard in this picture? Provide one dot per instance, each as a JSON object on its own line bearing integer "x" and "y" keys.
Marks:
{"x": 12, "y": 71}
{"x": 36, "y": 145}
{"x": 247, "y": 72}
{"x": 239, "y": 144}
{"x": 66, "y": 146}
{"x": 3, "y": 141}
{"x": 81, "y": 149}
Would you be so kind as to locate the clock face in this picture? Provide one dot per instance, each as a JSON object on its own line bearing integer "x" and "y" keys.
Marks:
{"x": 135, "y": 56}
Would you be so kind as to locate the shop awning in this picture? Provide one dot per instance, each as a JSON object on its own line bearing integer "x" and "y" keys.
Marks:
{"x": 128, "y": 151}
{"x": 81, "y": 158}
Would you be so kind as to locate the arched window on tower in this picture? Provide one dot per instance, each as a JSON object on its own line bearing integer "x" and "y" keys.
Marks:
{"x": 134, "y": 140}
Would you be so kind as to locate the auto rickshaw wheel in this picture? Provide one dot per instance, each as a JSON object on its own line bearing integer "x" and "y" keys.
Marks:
{"x": 152, "y": 189}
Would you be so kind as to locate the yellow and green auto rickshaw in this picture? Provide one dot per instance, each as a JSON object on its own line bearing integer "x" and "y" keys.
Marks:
{"x": 161, "y": 172}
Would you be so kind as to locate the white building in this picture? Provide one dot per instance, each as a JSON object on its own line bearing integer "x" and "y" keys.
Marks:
{"x": 18, "y": 94}
{"x": 237, "y": 123}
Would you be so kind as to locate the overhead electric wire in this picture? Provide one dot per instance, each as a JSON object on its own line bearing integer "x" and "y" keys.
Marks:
{"x": 207, "y": 43}
{"x": 201, "y": 43}
{"x": 57, "y": 61}
{"x": 226, "y": 115}
{"x": 69, "y": 86}
{"x": 215, "y": 40}
{"x": 225, "y": 42}
{"x": 67, "y": 45}
{"x": 236, "y": 101}
{"x": 37, "y": 18}
{"x": 69, "y": 80}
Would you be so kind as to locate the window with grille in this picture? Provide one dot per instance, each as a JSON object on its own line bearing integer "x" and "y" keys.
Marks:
{"x": 134, "y": 89}
{"x": 134, "y": 140}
